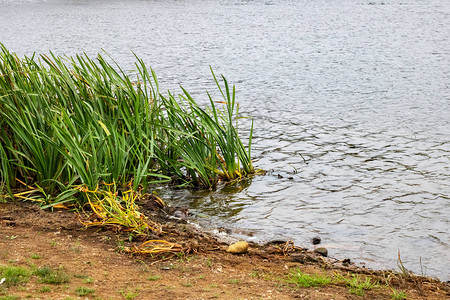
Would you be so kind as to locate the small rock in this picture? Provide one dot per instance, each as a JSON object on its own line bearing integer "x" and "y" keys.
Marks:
{"x": 238, "y": 247}
{"x": 322, "y": 251}
{"x": 181, "y": 213}
{"x": 316, "y": 240}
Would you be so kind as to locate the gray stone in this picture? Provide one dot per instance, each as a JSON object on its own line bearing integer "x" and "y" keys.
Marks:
{"x": 322, "y": 251}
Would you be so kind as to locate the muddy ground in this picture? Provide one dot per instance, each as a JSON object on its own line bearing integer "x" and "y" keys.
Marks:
{"x": 94, "y": 265}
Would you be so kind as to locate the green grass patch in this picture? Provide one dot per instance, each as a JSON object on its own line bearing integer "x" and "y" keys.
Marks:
{"x": 209, "y": 262}
{"x": 154, "y": 277}
{"x": 254, "y": 274}
{"x": 88, "y": 280}
{"x": 49, "y": 276}
{"x": 84, "y": 278}
{"x": 358, "y": 285}
{"x": 296, "y": 276}
{"x": 9, "y": 297}
{"x": 398, "y": 295}
{"x": 129, "y": 294}
{"x": 13, "y": 275}
{"x": 45, "y": 289}
{"x": 84, "y": 291}
{"x": 54, "y": 243}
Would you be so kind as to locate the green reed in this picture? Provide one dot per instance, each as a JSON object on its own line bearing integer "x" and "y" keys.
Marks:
{"x": 68, "y": 122}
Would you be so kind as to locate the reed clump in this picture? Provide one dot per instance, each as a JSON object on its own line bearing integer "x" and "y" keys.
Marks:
{"x": 73, "y": 125}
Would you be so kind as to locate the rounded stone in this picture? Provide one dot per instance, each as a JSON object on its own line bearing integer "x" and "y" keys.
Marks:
{"x": 322, "y": 251}
{"x": 238, "y": 247}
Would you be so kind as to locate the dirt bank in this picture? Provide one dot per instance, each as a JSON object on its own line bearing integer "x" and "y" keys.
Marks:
{"x": 92, "y": 264}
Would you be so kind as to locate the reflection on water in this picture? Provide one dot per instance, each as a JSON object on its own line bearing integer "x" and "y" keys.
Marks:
{"x": 351, "y": 102}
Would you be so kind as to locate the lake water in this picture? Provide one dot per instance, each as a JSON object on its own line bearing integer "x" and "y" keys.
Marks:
{"x": 351, "y": 103}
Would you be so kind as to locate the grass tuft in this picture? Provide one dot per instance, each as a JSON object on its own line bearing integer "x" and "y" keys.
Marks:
{"x": 154, "y": 277}
{"x": 129, "y": 294}
{"x": 398, "y": 295}
{"x": 45, "y": 289}
{"x": 358, "y": 285}
{"x": 50, "y": 276}
{"x": 14, "y": 275}
{"x": 9, "y": 297}
{"x": 84, "y": 291}
{"x": 301, "y": 279}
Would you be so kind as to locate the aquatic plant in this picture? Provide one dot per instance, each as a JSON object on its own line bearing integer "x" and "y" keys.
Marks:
{"x": 111, "y": 210}
{"x": 76, "y": 124}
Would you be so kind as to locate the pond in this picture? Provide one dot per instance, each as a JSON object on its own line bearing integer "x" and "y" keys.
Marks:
{"x": 350, "y": 99}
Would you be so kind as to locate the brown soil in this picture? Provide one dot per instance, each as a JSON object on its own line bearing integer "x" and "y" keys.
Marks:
{"x": 93, "y": 258}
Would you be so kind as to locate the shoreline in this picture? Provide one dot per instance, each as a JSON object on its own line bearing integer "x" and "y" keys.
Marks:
{"x": 202, "y": 271}
{"x": 227, "y": 235}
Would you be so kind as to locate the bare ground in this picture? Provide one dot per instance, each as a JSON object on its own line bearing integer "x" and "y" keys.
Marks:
{"x": 97, "y": 267}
